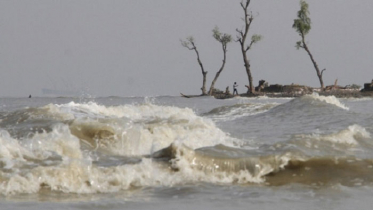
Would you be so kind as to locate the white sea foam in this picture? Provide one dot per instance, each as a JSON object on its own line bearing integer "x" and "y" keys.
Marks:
{"x": 142, "y": 129}
{"x": 77, "y": 174}
{"x": 349, "y": 136}
{"x": 327, "y": 99}
{"x": 18, "y": 157}
{"x": 127, "y": 129}
{"x": 12, "y": 154}
{"x": 54, "y": 113}
{"x": 212, "y": 169}
{"x": 234, "y": 112}
{"x": 133, "y": 112}
{"x": 59, "y": 141}
{"x": 39, "y": 147}
{"x": 81, "y": 176}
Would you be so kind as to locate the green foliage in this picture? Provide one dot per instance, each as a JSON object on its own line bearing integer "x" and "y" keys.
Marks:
{"x": 216, "y": 33}
{"x": 226, "y": 38}
{"x": 190, "y": 39}
{"x": 222, "y": 38}
{"x": 303, "y": 23}
{"x": 256, "y": 38}
{"x": 189, "y": 43}
{"x": 299, "y": 45}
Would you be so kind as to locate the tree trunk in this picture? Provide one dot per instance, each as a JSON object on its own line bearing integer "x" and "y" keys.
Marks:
{"x": 248, "y": 71}
{"x": 318, "y": 72}
{"x": 220, "y": 70}
{"x": 247, "y": 67}
{"x": 242, "y": 40}
{"x": 204, "y": 83}
{"x": 204, "y": 73}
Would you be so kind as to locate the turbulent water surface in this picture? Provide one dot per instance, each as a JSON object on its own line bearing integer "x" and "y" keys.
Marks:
{"x": 312, "y": 152}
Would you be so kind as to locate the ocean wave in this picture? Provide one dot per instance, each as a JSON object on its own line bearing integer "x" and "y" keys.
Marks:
{"x": 126, "y": 130}
{"x": 350, "y": 136}
{"x": 144, "y": 111}
{"x": 82, "y": 177}
{"x": 179, "y": 165}
{"x": 222, "y": 164}
{"x": 28, "y": 115}
{"x": 309, "y": 105}
{"x": 183, "y": 165}
{"x": 144, "y": 129}
{"x": 359, "y": 99}
{"x": 92, "y": 148}
{"x": 10, "y": 148}
{"x": 326, "y": 171}
{"x": 131, "y": 129}
{"x": 275, "y": 169}
{"x": 326, "y": 99}
{"x": 233, "y": 112}
{"x": 317, "y": 101}
{"x": 40, "y": 146}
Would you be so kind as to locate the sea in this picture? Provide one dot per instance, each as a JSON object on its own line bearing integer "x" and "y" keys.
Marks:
{"x": 169, "y": 152}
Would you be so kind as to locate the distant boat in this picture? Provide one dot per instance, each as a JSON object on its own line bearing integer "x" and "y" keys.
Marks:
{"x": 55, "y": 92}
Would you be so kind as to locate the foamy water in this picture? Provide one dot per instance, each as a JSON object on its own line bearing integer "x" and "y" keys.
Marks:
{"x": 327, "y": 99}
{"x": 113, "y": 150}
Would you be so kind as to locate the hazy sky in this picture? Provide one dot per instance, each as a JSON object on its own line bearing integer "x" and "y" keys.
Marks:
{"x": 132, "y": 47}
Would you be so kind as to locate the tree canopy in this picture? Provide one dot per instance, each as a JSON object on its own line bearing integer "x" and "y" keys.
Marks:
{"x": 303, "y": 23}
{"x": 241, "y": 38}
{"x": 222, "y": 38}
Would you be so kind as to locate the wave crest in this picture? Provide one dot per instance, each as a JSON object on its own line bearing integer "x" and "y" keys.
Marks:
{"x": 349, "y": 136}
{"x": 237, "y": 111}
{"x": 326, "y": 99}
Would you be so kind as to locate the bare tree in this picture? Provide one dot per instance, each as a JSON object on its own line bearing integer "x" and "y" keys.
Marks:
{"x": 303, "y": 25}
{"x": 224, "y": 39}
{"x": 241, "y": 38}
{"x": 190, "y": 44}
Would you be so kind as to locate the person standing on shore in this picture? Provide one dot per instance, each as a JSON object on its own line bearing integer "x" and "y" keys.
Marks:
{"x": 235, "y": 88}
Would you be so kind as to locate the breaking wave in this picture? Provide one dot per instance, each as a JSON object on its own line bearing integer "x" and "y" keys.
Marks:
{"x": 58, "y": 162}
{"x": 88, "y": 148}
{"x": 121, "y": 130}
{"x": 351, "y": 136}
{"x": 326, "y": 99}
{"x": 91, "y": 148}
{"x": 233, "y": 112}
{"x": 308, "y": 104}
